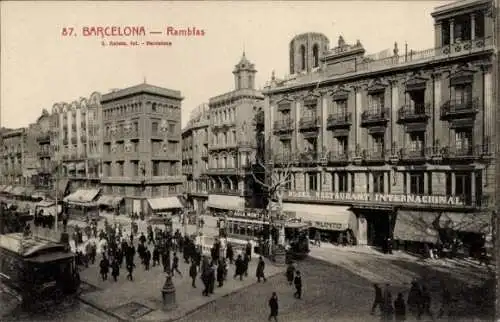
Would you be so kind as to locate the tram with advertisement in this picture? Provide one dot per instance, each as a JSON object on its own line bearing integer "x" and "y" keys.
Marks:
{"x": 37, "y": 272}
{"x": 239, "y": 227}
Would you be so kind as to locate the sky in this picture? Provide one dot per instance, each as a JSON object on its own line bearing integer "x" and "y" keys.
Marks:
{"x": 39, "y": 67}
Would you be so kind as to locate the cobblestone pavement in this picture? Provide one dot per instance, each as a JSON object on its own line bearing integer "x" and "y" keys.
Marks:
{"x": 332, "y": 292}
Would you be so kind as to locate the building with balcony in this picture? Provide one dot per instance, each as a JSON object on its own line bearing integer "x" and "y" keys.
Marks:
{"x": 399, "y": 147}
{"x": 76, "y": 134}
{"x": 141, "y": 158}
{"x": 232, "y": 144}
{"x": 44, "y": 152}
{"x": 14, "y": 153}
{"x": 195, "y": 158}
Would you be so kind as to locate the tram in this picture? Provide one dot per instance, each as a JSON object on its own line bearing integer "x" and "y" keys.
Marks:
{"x": 37, "y": 272}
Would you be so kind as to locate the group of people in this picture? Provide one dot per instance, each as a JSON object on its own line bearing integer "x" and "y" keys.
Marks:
{"x": 418, "y": 303}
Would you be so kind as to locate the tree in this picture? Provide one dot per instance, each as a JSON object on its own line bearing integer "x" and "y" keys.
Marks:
{"x": 273, "y": 174}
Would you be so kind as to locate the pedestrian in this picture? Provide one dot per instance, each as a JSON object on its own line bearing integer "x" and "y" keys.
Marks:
{"x": 317, "y": 238}
{"x": 115, "y": 270}
{"x": 290, "y": 273}
{"x": 193, "y": 272}
{"x": 211, "y": 279}
{"x": 147, "y": 259}
{"x": 400, "y": 308}
{"x": 273, "y": 306}
{"x": 220, "y": 273}
{"x": 425, "y": 303}
{"x": 239, "y": 269}
{"x": 156, "y": 256}
{"x": 230, "y": 253}
{"x": 130, "y": 269}
{"x": 104, "y": 265}
{"x": 298, "y": 285}
{"x": 205, "y": 278}
{"x": 388, "y": 308}
{"x": 246, "y": 262}
{"x": 379, "y": 301}
{"x": 142, "y": 239}
{"x": 248, "y": 250}
{"x": 260, "y": 270}
{"x": 175, "y": 265}
{"x": 414, "y": 299}
{"x": 445, "y": 302}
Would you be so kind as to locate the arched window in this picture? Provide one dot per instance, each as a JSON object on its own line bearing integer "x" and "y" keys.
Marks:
{"x": 303, "y": 57}
{"x": 316, "y": 55}
{"x": 224, "y": 162}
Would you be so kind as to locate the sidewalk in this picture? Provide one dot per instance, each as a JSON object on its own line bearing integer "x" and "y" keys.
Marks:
{"x": 142, "y": 298}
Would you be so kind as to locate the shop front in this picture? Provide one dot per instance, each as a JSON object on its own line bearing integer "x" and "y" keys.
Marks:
{"x": 332, "y": 223}
{"x": 221, "y": 205}
{"x": 111, "y": 204}
{"x": 82, "y": 204}
{"x": 416, "y": 231}
{"x": 164, "y": 207}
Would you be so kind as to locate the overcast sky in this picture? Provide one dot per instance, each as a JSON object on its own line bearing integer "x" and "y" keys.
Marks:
{"x": 39, "y": 67}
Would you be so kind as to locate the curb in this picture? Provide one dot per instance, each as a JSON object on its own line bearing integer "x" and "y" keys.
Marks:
{"x": 112, "y": 314}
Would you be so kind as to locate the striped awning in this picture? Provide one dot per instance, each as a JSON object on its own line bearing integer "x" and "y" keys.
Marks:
{"x": 417, "y": 226}
{"x": 480, "y": 223}
{"x": 110, "y": 201}
{"x": 165, "y": 203}
{"x": 82, "y": 196}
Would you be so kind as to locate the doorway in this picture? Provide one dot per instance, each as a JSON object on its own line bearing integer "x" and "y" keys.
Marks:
{"x": 379, "y": 226}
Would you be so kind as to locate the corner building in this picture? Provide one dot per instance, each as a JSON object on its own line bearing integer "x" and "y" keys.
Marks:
{"x": 195, "y": 158}
{"x": 398, "y": 147}
{"x": 141, "y": 156}
{"x": 232, "y": 144}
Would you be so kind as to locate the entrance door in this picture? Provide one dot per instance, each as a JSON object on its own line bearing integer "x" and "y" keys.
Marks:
{"x": 378, "y": 227}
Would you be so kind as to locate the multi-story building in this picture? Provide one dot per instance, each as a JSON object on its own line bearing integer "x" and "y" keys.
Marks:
{"x": 76, "y": 139}
{"x": 14, "y": 151}
{"x": 395, "y": 147}
{"x": 195, "y": 157}
{"x": 141, "y": 147}
{"x": 232, "y": 142}
{"x": 45, "y": 152}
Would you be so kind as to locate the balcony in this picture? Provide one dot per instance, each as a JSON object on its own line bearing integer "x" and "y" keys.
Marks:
{"x": 166, "y": 155}
{"x": 308, "y": 123}
{"x": 338, "y": 157}
{"x": 284, "y": 158}
{"x": 312, "y": 157}
{"x": 225, "y": 191}
{"x": 375, "y": 116}
{"x": 44, "y": 153}
{"x": 371, "y": 155}
{"x": 122, "y": 180}
{"x": 339, "y": 120}
{"x": 413, "y": 154}
{"x": 462, "y": 153}
{"x": 187, "y": 169}
{"x": 414, "y": 113}
{"x": 164, "y": 179}
{"x": 44, "y": 137}
{"x": 65, "y": 141}
{"x": 204, "y": 154}
{"x": 74, "y": 140}
{"x": 223, "y": 171}
{"x": 285, "y": 125}
{"x": 459, "y": 108}
{"x": 246, "y": 144}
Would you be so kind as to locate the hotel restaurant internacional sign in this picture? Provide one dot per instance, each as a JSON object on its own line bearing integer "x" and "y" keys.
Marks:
{"x": 380, "y": 198}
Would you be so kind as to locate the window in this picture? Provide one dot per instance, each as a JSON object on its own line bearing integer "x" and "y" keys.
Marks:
{"x": 286, "y": 147}
{"x": 342, "y": 178}
{"x": 303, "y": 57}
{"x": 135, "y": 168}
{"x": 120, "y": 168}
{"x": 156, "y": 168}
{"x": 316, "y": 55}
{"x": 417, "y": 101}
{"x": 462, "y": 94}
{"x": 378, "y": 144}
{"x": 135, "y": 126}
{"x": 463, "y": 140}
{"x": 153, "y": 108}
{"x": 417, "y": 183}
{"x": 378, "y": 182}
{"x": 479, "y": 26}
{"x": 171, "y": 128}
{"x": 342, "y": 145}
{"x": 341, "y": 107}
{"x": 416, "y": 141}
{"x": 445, "y": 32}
{"x": 154, "y": 128}
{"x": 463, "y": 186}
{"x": 313, "y": 181}
{"x": 376, "y": 102}
{"x": 310, "y": 110}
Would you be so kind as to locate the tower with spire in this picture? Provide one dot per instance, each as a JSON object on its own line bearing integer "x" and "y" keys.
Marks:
{"x": 244, "y": 74}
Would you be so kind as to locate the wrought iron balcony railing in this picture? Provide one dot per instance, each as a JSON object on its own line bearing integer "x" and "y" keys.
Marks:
{"x": 309, "y": 122}
{"x": 416, "y": 112}
{"x": 375, "y": 154}
{"x": 339, "y": 120}
{"x": 413, "y": 153}
{"x": 44, "y": 137}
{"x": 284, "y": 125}
{"x": 375, "y": 116}
{"x": 339, "y": 156}
{"x": 459, "y": 108}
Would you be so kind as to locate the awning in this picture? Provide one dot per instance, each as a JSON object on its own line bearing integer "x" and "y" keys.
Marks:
{"x": 323, "y": 216}
{"x": 8, "y": 189}
{"x": 467, "y": 222}
{"x": 2, "y": 187}
{"x": 28, "y": 191}
{"x": 226, "y": 202}
{"x": 18, "y": 191}
{"x": 45, "y": 203}
{"x": 418, "y": 226}
{"x": 110, "y": 201}
{"x": 83, "y": 196}
{"x": 70, "y": 166}
{"x": 165, "y": 203}
{"x": 38, "y": 195}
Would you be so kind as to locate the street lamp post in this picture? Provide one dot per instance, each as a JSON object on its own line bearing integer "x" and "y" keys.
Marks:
{"x": 168, "y": 290}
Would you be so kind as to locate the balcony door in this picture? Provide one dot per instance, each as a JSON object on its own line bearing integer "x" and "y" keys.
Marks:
{"x": 462, "y": 95}
{"x": 463, "y": 140}
{"x": 342, "y": 145}
{"x": 417, "y": 101}
{"x": 378, "y": 145}
{"x": 376, "y": 103}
